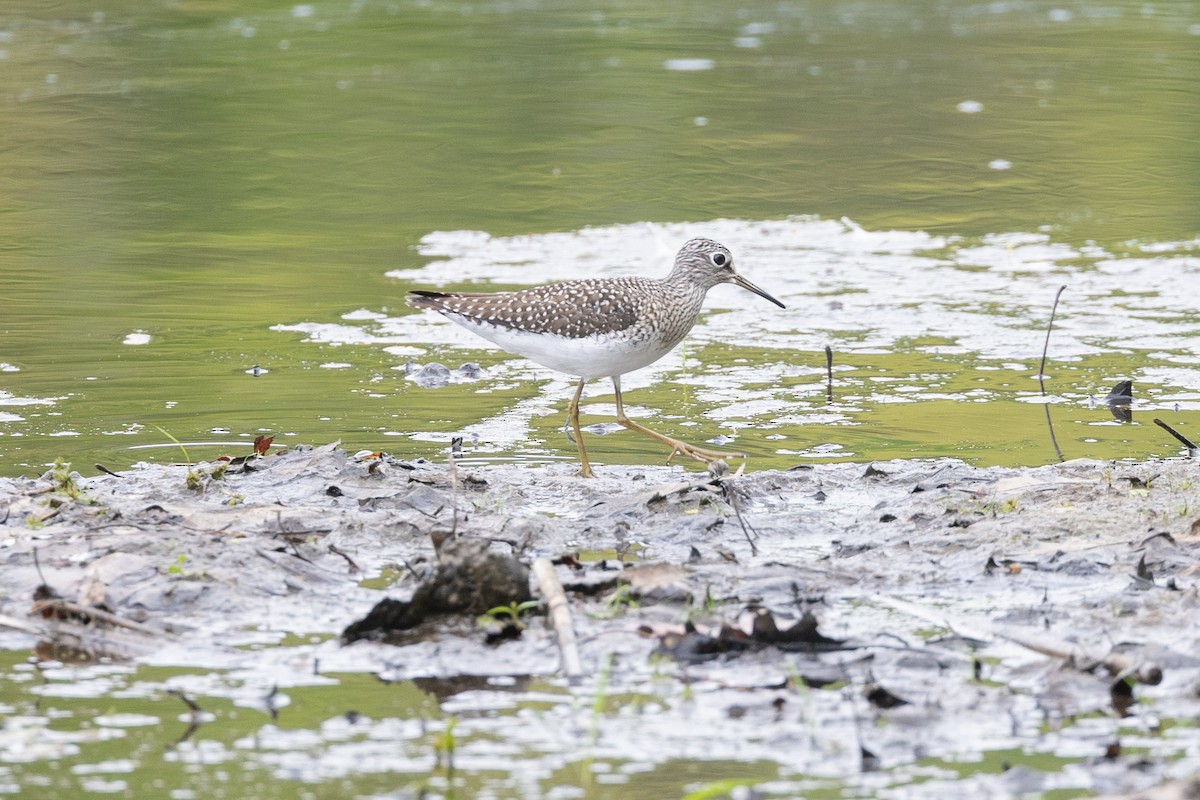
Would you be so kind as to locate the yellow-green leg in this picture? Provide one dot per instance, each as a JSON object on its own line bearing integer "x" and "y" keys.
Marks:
{"x": 678, "y": 448}
{"x": 585, "y": 468}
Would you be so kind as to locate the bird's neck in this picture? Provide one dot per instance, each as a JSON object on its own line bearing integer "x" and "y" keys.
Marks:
{"x": 686, "y": 298}
{"x": 683, "y": 289}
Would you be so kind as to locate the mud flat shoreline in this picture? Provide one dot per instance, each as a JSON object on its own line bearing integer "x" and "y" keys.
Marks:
{"x": 866, "y": 625}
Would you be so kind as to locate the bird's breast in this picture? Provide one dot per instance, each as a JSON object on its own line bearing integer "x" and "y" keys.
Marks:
{"x": 594, "y": 356}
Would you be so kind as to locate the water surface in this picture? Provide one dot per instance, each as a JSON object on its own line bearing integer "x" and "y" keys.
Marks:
{"x": 187, "y": 184}
{"x": 193, "y": 190}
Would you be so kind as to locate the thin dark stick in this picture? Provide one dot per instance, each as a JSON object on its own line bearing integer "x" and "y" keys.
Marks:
{"x": 747, "y": 530}
{"x": 1046, "y": 346}
{"x": 37, "y": 566}
{"x": 1050, "y": 425}
{"x": 194, "y": 719}
{"x": 333, "y": 548}
{"x": 829, "y": 373}
{"x": 1186, "y": 443}
{"x": 1042, "y": 372}
{"x": 453, "y": 496}
{"x": 271, "y": 703}
{"x": 187, "y": 701}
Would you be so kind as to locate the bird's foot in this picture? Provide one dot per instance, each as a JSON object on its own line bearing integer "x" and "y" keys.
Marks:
{"x": 679, "y": 448}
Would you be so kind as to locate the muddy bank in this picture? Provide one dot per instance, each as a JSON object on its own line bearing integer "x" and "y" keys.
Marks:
{"x": 877, "y": 625}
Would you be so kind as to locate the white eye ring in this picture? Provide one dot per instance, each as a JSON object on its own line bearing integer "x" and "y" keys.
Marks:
{"x": 719, "y": 259}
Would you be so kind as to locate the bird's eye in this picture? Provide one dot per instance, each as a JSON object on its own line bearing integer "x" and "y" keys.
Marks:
{"x": 719, "y": 259}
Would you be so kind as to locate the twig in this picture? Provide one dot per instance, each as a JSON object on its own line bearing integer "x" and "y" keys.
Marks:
{"x": 295, "y": 548}
{"x": 37, "y": 565}
{"x": 354, "y": 567}
{"x": 1179, "y": 436}
{"x": 1042, "y": 373}
{"x": 453, "y": 496}
{"x": 731, "y": 495}
{"x": 194, "y": 719}
{"x": 1046, "y": 346}
{"x": 1053, "y": 438}
{"x": 560, "y": 616}
{"x": 423, "y": 512}
{"x": 1118, "y": 665}
{"x": 829, "y": 373}
{"x": 17, "y": 624}
{"x": 271, "y": 703}
{"x": 187, "y": 701}
{"x": 51, "y": 515}
{"x": 59, "y": 606}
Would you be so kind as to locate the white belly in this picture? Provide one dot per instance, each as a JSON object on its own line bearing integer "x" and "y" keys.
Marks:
{"x": 588, "y": 357}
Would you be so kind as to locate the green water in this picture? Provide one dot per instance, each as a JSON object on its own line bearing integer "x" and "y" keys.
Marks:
{"x": 200, "y": 171}
{"x": 120, "y": 730}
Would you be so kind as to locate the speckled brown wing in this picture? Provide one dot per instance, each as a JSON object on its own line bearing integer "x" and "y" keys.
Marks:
{"x": 574, "y": 309}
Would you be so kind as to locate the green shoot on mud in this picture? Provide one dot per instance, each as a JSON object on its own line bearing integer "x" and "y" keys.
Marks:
{"x": 195, "y": 479}
{"x": 64, "y": 481}
{"x": 512, "y": 613}
{"x": 443, "y": 748}
{"x": 620, "y": 601}
{"x": 179, "y": 569}
{"x": 64, "y": 489}
{"x": 444, "y": 744}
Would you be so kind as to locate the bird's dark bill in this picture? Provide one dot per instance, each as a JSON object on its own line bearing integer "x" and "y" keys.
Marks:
{"x": 750, "y": 287}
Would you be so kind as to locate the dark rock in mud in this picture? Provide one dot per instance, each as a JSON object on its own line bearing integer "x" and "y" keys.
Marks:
{"x": 468, "y": 579}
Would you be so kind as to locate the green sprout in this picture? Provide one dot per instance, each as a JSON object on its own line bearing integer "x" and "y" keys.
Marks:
{"x": 623, "y": 599}
{"x": 512, "y": 612}
{"x": 64, "y": 480}
{"x": 443, "y": 747}
{"x": 195, "y": 479}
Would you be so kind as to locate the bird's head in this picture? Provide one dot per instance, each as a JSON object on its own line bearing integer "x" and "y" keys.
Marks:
{"x": 707, "y": 263}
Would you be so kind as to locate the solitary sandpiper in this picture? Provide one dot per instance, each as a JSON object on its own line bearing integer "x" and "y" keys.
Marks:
{"x": 599, "y": 327}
